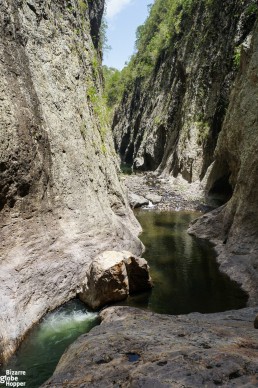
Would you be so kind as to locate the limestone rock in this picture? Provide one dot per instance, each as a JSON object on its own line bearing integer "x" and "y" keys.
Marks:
{"x": 137, "y": 200}
{"x": 256, "y": 322}
{"x": 169, "y": 121}
{"x": 61, "y": 202}
{"x": 112, "y": 276}
{"x": 154, "y": 198}
{"x": 234, "y": 226}
{"x": 135, "y": 348}
{"x": 138, "y": 273}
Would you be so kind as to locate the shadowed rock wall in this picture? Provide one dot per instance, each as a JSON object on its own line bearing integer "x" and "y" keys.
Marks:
{"x": 234, "y": 226}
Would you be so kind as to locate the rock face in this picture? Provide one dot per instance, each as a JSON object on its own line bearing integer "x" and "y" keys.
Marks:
{"x": 134, "y": 348}
{"x": 60, "y": 199}
{"x": 112, "y": 276}
{"x": 171, "y": 121}
{"x": 234, "y": 226}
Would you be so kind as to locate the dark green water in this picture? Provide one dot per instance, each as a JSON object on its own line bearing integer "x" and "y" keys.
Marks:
{"x": 47, "y": 341}
{"x": 186, "y": 279}
{"x": 184, "y": 270}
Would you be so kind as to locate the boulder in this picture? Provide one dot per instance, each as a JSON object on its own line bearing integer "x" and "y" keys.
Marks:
{"x": 112, "y": 276}
{"x": 137, "y": 348}
{"x": 136, "y": 200}
{"x": 154, "y": 198}
{"x": 138, "y": 274}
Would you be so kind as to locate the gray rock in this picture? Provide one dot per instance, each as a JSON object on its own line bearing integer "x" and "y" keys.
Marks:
{"x": 169, "y": 120}
{"x": 61, "y": 202}
{"x": 137, "y": 200}
{"x": 134, "y": 348}
{"x": 112, "y": 276}
{"x": 234, "y": 227}
{"x": 154, "y": 198}
{"x": 138, "y": 273}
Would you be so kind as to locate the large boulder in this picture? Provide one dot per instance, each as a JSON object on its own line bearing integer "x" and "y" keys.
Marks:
{"x": 112, "y": 276}
{"x": 137, "y": 348}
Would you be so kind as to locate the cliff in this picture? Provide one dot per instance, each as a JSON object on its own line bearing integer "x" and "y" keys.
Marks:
{"x": 60, "y": 198}
{"x": 172, "y": 111}
{"x": 234, "y": 226}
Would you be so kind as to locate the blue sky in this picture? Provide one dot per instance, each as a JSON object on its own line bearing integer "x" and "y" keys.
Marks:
{"x": 123, "y": 18}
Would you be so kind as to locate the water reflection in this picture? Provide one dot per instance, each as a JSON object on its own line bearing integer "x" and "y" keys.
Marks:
{"x": 183, "y": 268}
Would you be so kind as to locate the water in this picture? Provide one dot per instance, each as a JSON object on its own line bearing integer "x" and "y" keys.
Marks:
{"x": 186, "y": 279}
{"x": 184, "y": 269}
{"x": 47, "y": 341}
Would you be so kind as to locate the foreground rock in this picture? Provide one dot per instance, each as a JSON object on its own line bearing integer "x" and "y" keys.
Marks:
{"x": 112, "y": 276}
{"x": 134, "y": 348}
{"x": 61, "y": 202}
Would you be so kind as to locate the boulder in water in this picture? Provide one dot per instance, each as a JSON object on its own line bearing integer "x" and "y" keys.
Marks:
{"x": 112, "y": 276}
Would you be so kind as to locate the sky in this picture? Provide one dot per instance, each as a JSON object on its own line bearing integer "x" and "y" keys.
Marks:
{"x": 123, "y": 18}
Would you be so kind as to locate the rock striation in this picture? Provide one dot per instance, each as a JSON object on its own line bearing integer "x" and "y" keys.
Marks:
{"x": 234, "y": 226}
{"x": 61, "y": 202}
{"x": 135, "y": 348}
{"x": 169, "y": 121}
{"x": 113, "y": 276}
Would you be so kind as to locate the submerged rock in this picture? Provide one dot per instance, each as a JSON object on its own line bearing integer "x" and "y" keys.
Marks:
{"x": 112, "y": 276}
{"x": 134, "y": 348}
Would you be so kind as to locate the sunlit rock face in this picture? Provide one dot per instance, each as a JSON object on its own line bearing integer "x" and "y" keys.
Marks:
{"x": 60, "y": 199}
{"x": 234, "y": 226}
{"x": 170, "y": 121}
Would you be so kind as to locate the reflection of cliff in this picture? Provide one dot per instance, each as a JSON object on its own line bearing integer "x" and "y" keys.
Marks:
{"x": 60, "y": 198}
{"x": 170, "y": 120}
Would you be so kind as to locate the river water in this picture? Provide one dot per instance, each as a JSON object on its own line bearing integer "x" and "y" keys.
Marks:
{"x": 186, "y": 279}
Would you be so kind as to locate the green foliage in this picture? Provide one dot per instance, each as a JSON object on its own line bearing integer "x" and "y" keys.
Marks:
{"x": 83, "y": 6}
{"x": 164, "y": 21}
{"x": 252, "y": 9}
{"x": 203, "y": 131}
{"x": 237, "y": 56}
{"x": 113, "y": 86}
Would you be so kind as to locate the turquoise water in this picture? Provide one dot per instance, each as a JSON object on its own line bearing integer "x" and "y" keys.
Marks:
{"x": 47, "y": 341}
{"x": 186, "y": 279}
{"x": 184, "y": 270}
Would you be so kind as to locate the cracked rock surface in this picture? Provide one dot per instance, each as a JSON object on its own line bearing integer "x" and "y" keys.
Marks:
{"x": 136, "y": 348}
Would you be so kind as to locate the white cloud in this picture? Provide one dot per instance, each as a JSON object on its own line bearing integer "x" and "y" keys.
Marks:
{"x": 116, "y": 6}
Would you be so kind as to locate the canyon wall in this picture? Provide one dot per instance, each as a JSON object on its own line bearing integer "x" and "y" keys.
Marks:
{"x": 170, "y": 120}
{"x": 234, "y": 226}
{"x": 61, "y": 202}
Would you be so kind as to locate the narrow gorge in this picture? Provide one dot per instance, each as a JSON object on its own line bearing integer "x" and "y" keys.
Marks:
{"x": 182, "y": 117}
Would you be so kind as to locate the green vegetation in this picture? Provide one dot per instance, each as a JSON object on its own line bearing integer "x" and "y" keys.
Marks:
{"x": 237, "y": 56}
{"x": 153, "y": 37}
{"x": 113, "y": 86}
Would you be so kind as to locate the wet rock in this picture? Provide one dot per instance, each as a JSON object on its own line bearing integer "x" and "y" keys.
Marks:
{"x": 136, "y": 200}
{"x": 154, "y": 198}
{"x": 141, "y": 349}
{"x": 112, "y": 276}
